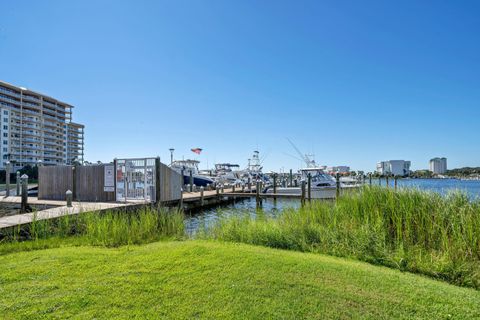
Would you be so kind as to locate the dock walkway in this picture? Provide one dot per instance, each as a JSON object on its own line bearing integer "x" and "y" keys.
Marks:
{"x": 56, "y": 210}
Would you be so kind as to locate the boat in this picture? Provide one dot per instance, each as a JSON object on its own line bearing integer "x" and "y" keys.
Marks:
{"x": 227, "y": 173}
{"x": 324, "y": 186}
{"x": 254, "y": 173}
{"x": 189, "y": 169}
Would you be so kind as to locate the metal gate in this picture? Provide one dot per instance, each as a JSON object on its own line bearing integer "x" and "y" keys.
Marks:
{"x": 135, "y": 179}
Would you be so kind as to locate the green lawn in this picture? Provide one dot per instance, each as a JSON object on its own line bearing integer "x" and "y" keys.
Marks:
{"x": 200, "y": 279}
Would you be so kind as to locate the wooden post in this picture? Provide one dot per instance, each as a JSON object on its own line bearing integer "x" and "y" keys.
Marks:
{"x": 223, "y": 189}
{"x": 302, "y": 197}
{"x": 18, "y": 183}
{"x": 309, "y": 187}
{"x": 249, "y": 183}
{"x": 295, "y": 183}
{"x": 191, "y": 181}
{"x": 387, "y": 180}
{"x": 291, "y": 178}
{"x": 7, "y": 179}
{"x": 158, "y": 187}
{"x": 395, "y": 179}
{"x": 233, "y": 188}
{"x": 243, "y": 188}
{"x": 337, "y": 178}
{"x": 68, "y": 196}
{"x": 370, "y": 179}
{"x": 181, "y": 199}
{"x": 274, "y": 183}
{"x": 217, "y": 189}
{"x": 24, "y": 204}
{"x": 380, "y": 180}
{"x": 201, "y": 196}
{"x": 257, "y": 194}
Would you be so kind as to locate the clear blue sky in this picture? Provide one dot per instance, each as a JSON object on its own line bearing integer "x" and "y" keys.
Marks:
{"x": 354, "y": 82}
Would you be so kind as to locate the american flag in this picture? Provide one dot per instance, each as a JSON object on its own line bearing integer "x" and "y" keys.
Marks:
{"x": 197, "y": 150}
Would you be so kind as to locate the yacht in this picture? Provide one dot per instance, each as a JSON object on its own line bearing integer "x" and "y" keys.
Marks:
{"x": 190, "y": 167}
{"x": 227, "y": 173}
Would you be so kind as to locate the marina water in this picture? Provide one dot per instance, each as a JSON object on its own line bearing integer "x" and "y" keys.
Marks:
{"x": 270, "y": 207}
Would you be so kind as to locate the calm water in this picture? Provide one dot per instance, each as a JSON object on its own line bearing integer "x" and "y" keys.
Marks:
{"x": 270, "y": 207}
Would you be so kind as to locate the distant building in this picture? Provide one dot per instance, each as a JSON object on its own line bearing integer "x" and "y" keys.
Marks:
{"x": 338, "y": 169}
{"x": 37, "y": 129}
{"x": 394, "y": 167}
{"x": 438, "y": 165}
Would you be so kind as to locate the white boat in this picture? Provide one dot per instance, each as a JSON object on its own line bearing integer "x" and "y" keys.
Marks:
{"x": 324, "y": 186}
{"x": 227, "y": 173}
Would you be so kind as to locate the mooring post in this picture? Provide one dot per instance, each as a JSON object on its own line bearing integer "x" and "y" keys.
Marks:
{"x": 249, "y": 183}
{"x": 233, "y": 188}
{"x": 295, "y": 183}
{"x": 24, "y": 204}
{"x": 370, "y": 179}
{"x": 395, "y": 182}
{"x": 274, "y": 183}
{"x": 302, "y": 197}
{"x": 223, "y": 189}
{"x": 309, "y": 187}
{"x": 291, "y": 178}
{"x": 201, "y": 196}
{"x": 257, "y": 194}
{"x": 180, "y": 203}
{"x": 69, "y": 196}
{"x": 217, "y": 189}
{"x": 243, "y": 188}
{"x": 337, "y": 180}
{"x": 191, "y": 181}
{"x": 18, "y": 183}
{"x": 7, "y": 179}
{"x": 387, "y": 180}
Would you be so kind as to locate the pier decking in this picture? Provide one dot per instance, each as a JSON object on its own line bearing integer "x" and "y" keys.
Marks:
{"x": 55, "y": 209}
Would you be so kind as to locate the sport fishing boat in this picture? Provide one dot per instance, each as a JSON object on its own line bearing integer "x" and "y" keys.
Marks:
{"x": 189, "y": 168}
{"x": 227, "y": 173}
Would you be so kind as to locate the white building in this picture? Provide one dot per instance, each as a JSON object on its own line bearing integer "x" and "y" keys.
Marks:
{"x": 36, "y": 128}
{"x": 394, "y": 167}
{"x": 438, "y": 165}
{"x": 338, "y": 169}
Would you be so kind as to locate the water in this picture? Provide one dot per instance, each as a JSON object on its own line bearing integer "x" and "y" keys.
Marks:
{"x": 207, "y": 217}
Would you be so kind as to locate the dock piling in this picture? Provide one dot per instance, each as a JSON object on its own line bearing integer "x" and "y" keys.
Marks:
{"x": 302, "y": 199}
{"x": 18, "y": 183}
{"x": 387, "y": 180}
{"x": 7, "y": 179}
{"x": 257, "y": 195}
{"x": 291, "y": 178}
{"x": 24, "y": 204}
{"x": 395, "y": 182}
{"x": 370, "y": 179}
{"x": 309, "y": 187}
{"x": 201, "y": 196}
{"x": 274, "y": 184}
{"x": 191, "y": 181}
{"x": 337, "y": 178}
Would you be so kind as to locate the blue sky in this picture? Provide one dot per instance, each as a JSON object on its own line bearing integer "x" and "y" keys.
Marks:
{"x": 353, "y": 82}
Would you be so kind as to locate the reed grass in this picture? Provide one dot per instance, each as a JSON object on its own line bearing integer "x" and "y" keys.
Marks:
{"x": 409, "y": 229}
{"x": 109, "y": 229}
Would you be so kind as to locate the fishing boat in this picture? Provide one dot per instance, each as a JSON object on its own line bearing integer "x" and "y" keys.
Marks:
{"x": 227, "y": 173}
{"x": 189, "y": 169}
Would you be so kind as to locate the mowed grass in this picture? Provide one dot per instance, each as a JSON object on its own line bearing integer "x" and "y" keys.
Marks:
{"x": 211, "y": 280}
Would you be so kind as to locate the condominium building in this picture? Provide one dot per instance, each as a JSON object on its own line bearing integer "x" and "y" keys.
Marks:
{"x": 438, "y": 165}
{"x": 394, "y": 167}
{"x": 37, "y": 129}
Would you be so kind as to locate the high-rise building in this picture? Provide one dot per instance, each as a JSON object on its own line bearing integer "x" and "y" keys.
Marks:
{"x": 438, "y": 165}
{"x": 394, "y": 167}
{"x": 37, "y": 129}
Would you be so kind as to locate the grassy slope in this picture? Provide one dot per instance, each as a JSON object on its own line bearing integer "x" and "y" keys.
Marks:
{"x": 196, "y": 279}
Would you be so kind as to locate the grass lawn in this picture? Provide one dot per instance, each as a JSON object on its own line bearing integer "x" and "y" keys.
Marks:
{"x": 201, "y": 279}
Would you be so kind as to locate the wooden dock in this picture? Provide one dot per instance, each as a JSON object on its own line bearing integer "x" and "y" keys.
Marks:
{"x": 55, "y": 209}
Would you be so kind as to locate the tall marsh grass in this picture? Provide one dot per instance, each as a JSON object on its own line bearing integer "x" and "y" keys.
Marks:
{"x": 110, "y": 229}
{"x": 408, "y": 229}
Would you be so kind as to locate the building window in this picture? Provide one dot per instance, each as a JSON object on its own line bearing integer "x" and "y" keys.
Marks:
{"x": 5, "y": 135}
{"x": 5, "y": 120}
{"x": 5, "y": 127}
{"x": 5, "y": 142}
{"x": 5, "y": 150}
{"x": 5, "y": 112}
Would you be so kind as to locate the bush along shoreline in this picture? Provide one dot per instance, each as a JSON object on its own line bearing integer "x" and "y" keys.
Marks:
{"x": 408, "y": 229}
